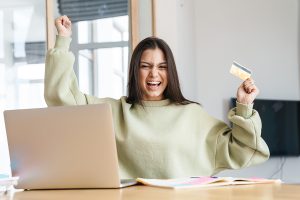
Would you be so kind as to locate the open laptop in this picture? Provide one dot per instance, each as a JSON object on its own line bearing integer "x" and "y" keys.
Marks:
{"x": 63, "y": 147}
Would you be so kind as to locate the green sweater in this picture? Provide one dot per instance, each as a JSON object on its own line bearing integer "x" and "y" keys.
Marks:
{"x": 163, "y": 140}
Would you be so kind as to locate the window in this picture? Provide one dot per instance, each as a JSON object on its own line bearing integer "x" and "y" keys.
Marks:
{"x": 102, "y": 56}
{"x": 100, "y": 44}
{"x": 22, "y": 56}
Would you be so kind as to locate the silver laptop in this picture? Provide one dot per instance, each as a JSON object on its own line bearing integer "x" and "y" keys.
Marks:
{"x": 63, "y": 147}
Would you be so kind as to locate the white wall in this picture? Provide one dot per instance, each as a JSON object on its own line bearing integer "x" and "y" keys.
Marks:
{"x": 206, "y": 36}
{"x": 175, "y": 24}
{"x": 262, "y": 35}
{"x": 144, "y": 19}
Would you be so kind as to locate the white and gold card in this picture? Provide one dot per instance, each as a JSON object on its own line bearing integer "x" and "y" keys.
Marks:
{"x": 240, "y": 71}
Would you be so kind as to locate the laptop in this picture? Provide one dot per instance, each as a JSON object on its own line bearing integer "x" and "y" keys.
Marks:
{"x": 63, "y": 147}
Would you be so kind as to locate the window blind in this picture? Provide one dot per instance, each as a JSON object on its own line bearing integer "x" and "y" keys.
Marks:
{"x": 82, "y": 10}
{"x": 35, "y": 52}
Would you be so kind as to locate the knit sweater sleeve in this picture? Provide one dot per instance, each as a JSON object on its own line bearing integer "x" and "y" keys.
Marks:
{"x": 61, "y": 86}
{"x": 241, "y": 145}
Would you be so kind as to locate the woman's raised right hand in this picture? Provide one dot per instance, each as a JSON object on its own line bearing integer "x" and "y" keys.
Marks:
{"x": 64, "y": 26}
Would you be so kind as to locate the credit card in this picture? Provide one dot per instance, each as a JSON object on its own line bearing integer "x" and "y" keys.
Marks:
{"x": 240, "y": 71}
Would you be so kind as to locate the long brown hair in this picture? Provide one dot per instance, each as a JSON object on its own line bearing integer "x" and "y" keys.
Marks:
{"x": 172, "y": 90}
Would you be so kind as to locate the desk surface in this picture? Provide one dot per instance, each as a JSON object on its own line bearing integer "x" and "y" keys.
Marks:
{"x": 257, "y": 192}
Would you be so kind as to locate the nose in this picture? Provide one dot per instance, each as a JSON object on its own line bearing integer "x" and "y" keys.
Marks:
{"x": 154, "y": 72}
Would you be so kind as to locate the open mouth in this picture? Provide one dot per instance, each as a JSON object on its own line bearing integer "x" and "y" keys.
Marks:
{"x": 153, "y": 83}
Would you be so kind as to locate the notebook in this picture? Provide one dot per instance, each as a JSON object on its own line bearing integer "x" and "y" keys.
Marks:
{"x": 63, "y": 147}
{"x": 204, "y": 182}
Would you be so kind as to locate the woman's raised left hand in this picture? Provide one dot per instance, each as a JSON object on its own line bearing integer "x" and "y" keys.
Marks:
{"x": 247, "y": 92}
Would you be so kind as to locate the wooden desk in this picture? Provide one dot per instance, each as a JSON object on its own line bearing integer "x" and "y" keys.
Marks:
{"x": 257, "y": 192}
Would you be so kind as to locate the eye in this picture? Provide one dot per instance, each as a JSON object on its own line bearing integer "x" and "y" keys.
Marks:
{"x": 163, "y": 67}
{"x": 144, "y": 66}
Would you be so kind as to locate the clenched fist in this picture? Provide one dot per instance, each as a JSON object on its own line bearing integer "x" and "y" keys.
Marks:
{"x": 247, "y": 92}
{"x": 63, "y": 26}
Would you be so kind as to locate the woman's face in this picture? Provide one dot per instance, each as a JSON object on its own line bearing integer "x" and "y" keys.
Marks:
{"x": 153, "y": 74}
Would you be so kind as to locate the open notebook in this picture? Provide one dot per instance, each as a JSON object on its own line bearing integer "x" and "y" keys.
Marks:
{"x": 203, "y": 181}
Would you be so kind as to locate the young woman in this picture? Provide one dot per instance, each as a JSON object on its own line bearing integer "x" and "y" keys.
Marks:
{"x": 159, "y": 133}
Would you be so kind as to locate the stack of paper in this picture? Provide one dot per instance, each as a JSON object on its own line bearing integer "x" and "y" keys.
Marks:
{"x": 203, "y": 181}
{"x": 6, "y": 182}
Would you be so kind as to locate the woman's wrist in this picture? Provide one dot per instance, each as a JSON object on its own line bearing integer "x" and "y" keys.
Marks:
{"x": 244, "y": 110}
{"x": 62, "y": 34}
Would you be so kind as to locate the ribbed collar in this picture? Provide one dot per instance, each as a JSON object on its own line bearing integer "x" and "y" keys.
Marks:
{"x": 156, "y": 103}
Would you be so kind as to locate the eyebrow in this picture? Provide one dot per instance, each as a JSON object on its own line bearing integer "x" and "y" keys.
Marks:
{"x": 144, "y": 62}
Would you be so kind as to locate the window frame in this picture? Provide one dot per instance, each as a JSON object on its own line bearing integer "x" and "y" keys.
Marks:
{"x": 133, "y": 23}
{"x": 76, "y": 48}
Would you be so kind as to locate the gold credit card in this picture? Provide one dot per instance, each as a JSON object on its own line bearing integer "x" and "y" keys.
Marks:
{"x": 240, "y": 71}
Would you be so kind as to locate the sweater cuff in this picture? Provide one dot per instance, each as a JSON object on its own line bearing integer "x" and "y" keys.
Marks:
{"x": 244, "y": 110}
{"x": 62, "y": 43}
